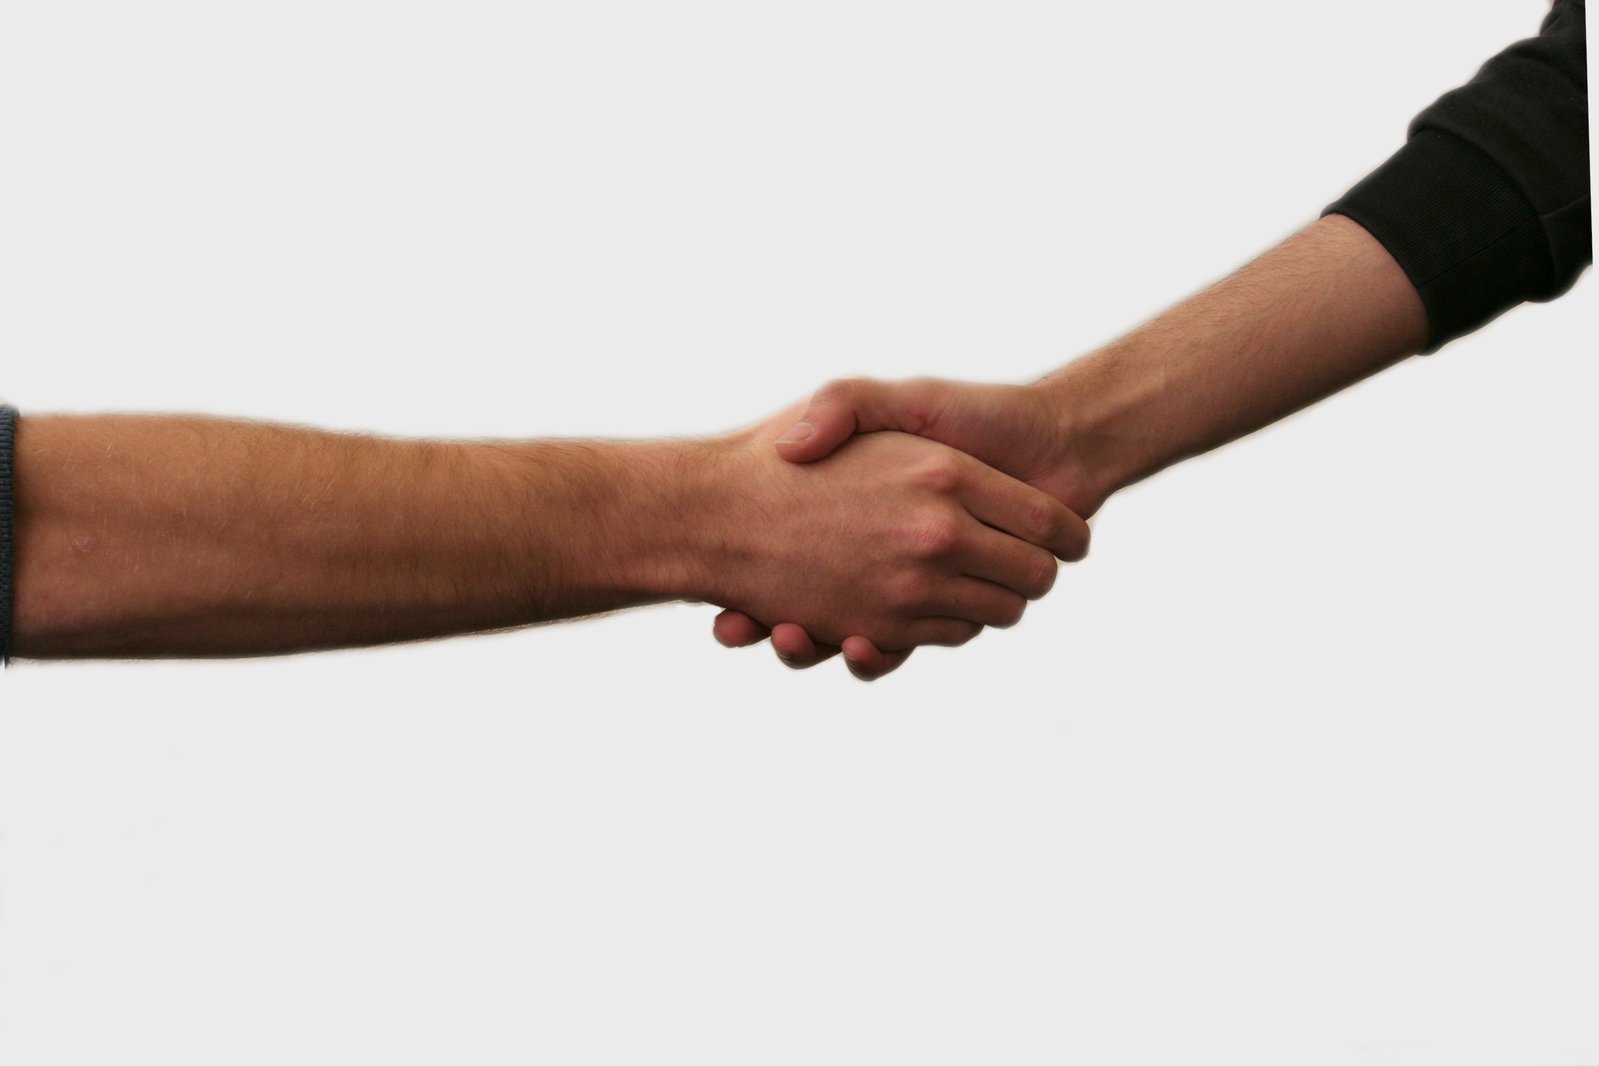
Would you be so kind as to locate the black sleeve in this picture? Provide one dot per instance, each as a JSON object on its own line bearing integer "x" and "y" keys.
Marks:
{"x": 1487, "y": 204}
{"x": 8, "y": 433}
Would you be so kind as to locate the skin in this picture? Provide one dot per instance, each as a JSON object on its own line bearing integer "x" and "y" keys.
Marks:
{"x": 140, "y": 536}
{"x": 1319, "y": 312}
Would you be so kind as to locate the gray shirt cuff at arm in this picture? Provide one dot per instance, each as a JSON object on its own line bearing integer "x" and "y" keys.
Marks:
{"x": 8, "y": 435}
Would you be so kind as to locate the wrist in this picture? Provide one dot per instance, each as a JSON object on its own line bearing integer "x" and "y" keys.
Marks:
{"x": 680, "y": 543}
{"x": 1095, "y": 405}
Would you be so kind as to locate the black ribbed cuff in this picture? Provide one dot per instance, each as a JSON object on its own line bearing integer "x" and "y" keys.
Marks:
{"x": 1464, "y": 234}
{"x": 8, "y": 437}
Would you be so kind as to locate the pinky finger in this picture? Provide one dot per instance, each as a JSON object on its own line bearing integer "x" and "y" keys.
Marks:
{"x": 867, "y": 663}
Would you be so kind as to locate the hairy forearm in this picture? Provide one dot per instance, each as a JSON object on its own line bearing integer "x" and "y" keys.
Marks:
{"x": 1319, "y": 312}
{"x": 155, "y": 536}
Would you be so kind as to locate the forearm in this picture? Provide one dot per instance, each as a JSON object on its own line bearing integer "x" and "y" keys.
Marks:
{"x": 1486, "y": 206}
{"x": 155, "y": 536}
{"x": 1319, "y": 312}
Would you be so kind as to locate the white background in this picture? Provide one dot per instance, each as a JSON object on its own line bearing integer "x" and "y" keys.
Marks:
{"x": 1298, "y": 767}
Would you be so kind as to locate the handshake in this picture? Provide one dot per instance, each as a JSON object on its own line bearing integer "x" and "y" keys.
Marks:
{"x": 919, "y": 512}
{"x": 874, "y": 519}
{"x": 882, "y": 516}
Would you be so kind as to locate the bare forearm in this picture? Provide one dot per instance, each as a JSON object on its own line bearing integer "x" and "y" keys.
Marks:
{"x": 148, "y": 536}
{"x": 1324, "y": 309}
{"x": 1319, "y": 312}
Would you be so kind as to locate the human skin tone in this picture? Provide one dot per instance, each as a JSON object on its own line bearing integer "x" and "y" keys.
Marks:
{"x": 143, "y": 536}
{"x": 1323, "y": 310}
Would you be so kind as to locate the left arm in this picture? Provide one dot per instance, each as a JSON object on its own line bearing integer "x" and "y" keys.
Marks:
{"x": 138, "y": 536}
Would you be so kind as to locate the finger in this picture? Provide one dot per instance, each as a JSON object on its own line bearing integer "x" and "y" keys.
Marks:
{"x": 735, "y": 629}
{"x": 1011, "y": 563}
{"x": 840, "y": 409}
{"x": 971, "y": 600}
{"x": 867, "y": 662}
{"x": 1017, "y": 508}
{"x": 945, "y": 632}
{"x": 796, "y": 649}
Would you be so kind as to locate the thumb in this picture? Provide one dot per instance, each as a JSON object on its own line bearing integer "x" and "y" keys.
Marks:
{"x": 840, "y": 409}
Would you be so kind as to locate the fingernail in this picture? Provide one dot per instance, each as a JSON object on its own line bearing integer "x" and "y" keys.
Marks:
{"x": 798, "y": 433}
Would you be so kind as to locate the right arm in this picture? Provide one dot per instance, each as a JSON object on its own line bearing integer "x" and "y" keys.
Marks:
{"x": 1486, "y": 206}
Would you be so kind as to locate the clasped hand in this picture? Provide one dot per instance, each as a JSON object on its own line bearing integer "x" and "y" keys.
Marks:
{"x": 898, "y": 540}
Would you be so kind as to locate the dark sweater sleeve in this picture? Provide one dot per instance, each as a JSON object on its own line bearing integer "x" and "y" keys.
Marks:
{"x": 8, "y": 434}
{"x": 1487, "y": 204}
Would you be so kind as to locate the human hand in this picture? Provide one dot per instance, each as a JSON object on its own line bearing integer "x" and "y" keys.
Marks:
{"x": 1014, "y": 428}
{"x": 1018, "y": 429}
{"x": 896, "y": 540}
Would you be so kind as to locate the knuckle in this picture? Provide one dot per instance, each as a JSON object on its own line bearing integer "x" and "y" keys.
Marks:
{"x": 1039, "y": 519}
{"x": 919, "y": 411}
{"x": 1042, "y": 577}
{"x": 941, "y": 473}
{"x": 1011, "y": 613}
{"x": 935, "y": 536}
{"x": 839, "y": 391}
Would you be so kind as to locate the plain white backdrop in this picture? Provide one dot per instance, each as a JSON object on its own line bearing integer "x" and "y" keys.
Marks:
{"x": 1298, "y": 766}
